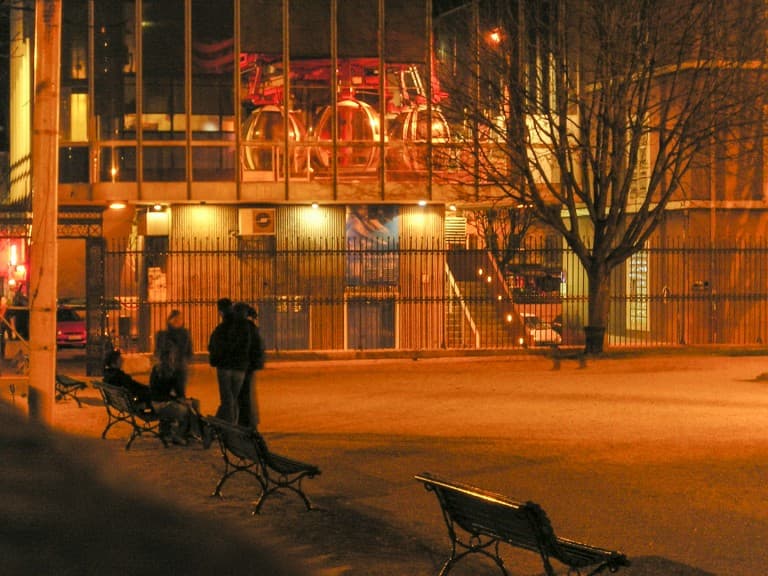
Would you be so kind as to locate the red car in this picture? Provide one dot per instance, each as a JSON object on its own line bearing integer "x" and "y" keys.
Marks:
{"x": 70, "y": 328}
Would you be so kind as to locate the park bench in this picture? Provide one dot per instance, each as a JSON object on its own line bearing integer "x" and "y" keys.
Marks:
{"x": 558, "y": 354}
{"x": 121, "y": 406}
{"x": 244, "y": 450}
{"x": 487, "y": 520}
{"x": 67, "y": 387}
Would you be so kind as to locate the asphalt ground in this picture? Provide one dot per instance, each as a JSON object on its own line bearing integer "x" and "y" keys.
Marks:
{"x": 663, "y": 457}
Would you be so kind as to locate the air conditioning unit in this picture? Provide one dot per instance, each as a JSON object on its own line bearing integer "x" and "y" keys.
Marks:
{"x": 256, "y": 222}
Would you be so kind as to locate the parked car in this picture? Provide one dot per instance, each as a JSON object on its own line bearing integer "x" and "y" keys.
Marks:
{"x": 557, "y": 324}
{"x": 70, "y": 328}
{"x": 80, "y": 303}
{"x": 540, "y": 333}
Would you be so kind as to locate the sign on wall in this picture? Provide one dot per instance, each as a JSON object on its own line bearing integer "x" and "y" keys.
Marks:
{"x": 372, "y": 245}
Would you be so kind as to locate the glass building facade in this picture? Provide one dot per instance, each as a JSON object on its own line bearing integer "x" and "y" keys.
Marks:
{"x": 252, "y": 100}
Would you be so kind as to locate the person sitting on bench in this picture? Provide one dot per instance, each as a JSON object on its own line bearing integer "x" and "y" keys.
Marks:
{"x": 176, "y": 413}
{"x": 114, "y": 375}
{"x": 179, "y": 415}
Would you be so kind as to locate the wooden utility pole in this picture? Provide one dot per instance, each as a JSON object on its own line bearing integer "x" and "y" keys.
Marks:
{"x": 45, "y": 178}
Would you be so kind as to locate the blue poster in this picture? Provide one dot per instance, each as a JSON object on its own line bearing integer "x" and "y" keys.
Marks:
{"x": 372, "y": 245}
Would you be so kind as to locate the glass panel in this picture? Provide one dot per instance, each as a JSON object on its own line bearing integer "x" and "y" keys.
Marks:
{"x": 74, "y": 71}
{"x": 359, "y": 81}
{"x": 637, "y": 292}
{"x": 407, "y": 118}
{"x": 163, "y": 70}
{"x": 405, "y": 36}
{"x": 73, "y": 164}
{"x": 213, "y": 163}
{"x": 213, "y": 65}
{"x": 310, "y": 33}
{"x": 118, "y": 164}
{"x": 261, "y": 30}
{"x": 310, "y": 29}
{"x": 165, "y": 164}
{"x": 115, "y": 68}
{"x": 358, "y": 28}
{"x": 262, "y": 82}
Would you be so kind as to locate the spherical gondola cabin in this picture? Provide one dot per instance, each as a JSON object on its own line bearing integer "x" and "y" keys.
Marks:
{"x": 409, "y": 135}
{"x": 357, "y": 138}
{"x": 264, "y": 140}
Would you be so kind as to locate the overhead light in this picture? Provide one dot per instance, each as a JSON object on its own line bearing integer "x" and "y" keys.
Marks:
{"x": 118, "y": 205}
{"x": 495, "y": 36}
{"x": 422, "y": 203}
{"x": 158, "y": 208}
{"x": 452, "y": 208}
{"x": 315, "y": 205}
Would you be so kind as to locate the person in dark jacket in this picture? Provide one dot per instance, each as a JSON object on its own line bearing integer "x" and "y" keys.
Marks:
{"x": 173, "y": 348}
{"x": 248, "y": 404}
{"x": 115, "y": 376}
{"x": 228, "y": 349}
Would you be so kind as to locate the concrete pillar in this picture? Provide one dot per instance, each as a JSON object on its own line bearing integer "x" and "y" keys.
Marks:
{"x": 45, "y": 176}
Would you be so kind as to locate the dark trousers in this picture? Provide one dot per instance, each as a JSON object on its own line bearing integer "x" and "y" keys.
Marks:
{"x": 182, "y": 413}
{"x": 230, "y": 384}
{"x": 248, "y": 402}
{"x": 182, "y": 376}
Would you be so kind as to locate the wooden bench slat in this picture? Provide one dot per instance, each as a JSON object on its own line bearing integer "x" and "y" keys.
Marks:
{"x": 478, "y": 516}
{"x": 583, "y": 554}
{"x": 284, "y": 465}
{"x": 69, "y": 387}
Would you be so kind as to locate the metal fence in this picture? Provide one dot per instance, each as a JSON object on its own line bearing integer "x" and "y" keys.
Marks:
{"x": 334, "y": 294}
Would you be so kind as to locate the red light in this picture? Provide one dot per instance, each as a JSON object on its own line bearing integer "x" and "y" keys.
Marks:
{"x": 495, "y": 36}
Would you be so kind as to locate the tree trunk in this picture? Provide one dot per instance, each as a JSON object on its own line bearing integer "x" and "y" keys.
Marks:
{"x": 599, "y": 308}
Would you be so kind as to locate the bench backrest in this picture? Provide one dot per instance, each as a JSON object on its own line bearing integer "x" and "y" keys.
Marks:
{"x": 121, "y": 399}
{"x": 479, "y": 512}
{"x": 239, "y": 440}
{"x": 117, "y": 397}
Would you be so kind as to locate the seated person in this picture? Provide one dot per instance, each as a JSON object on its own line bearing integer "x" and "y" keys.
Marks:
{"x": 114, "y": 375}
{"x": 177, "y": 420}
{"x": 180, "y": 416}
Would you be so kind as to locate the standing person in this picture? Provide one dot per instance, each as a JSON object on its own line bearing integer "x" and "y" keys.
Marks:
{"x": 228, "y": 350}
{"x": 248, "y": 402}
{"x": 3, "y": 327}
{"x": 20, "y": 313}
{"x": 173, "y": 349}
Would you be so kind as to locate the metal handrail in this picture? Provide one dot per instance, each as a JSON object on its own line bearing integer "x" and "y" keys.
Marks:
{"x": 464, "y": 308}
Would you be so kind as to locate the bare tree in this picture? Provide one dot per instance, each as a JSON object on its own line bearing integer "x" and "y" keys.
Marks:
{"x": 593, "y": 112}
{"x": 503, "y": 229}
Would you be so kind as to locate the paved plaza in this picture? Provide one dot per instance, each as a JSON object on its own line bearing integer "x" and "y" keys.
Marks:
{"x": 663, "y": 456}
